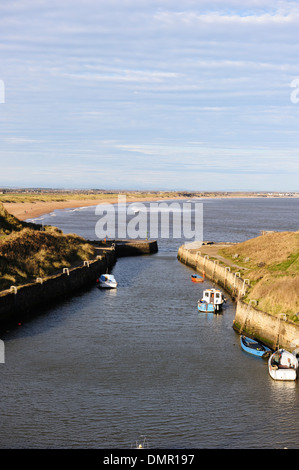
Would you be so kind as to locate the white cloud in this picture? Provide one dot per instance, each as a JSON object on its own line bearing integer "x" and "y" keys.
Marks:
{"x": 121, "y": 75}
{"x": 21, "y": 140}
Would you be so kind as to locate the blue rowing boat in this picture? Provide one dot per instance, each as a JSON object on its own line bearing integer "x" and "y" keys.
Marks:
{"x": 254, "y": 347}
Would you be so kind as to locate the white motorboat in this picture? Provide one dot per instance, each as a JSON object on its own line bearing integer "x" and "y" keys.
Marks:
{"x": 283, "y": 365}
{"x": 107, "y": 281}
{"x": 211, "y": 301}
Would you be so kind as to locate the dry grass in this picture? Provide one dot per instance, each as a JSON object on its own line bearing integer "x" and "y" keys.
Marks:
{"x": 9, "y": 223}
{"x": 279, "y": 295}
{"x": 60, "y": 196}
{"x": 271, "y": 262}
{"x": 271, "y": 248}
{"x": 28, "y": 254}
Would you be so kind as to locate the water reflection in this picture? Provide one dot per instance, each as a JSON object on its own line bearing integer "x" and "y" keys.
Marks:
{"x": 284, "y": 393}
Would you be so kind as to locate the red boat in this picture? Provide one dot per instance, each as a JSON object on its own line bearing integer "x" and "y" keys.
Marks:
{"x": 198, "y": 278}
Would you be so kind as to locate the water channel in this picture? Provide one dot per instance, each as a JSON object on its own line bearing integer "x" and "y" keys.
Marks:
{"x": 103, "y": 367}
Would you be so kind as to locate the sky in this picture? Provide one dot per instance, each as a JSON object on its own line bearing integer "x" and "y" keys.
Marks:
{"x": 150, "y": 94}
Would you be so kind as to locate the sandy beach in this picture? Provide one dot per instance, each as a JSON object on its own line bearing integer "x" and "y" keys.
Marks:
{"x": 31, "y": 210}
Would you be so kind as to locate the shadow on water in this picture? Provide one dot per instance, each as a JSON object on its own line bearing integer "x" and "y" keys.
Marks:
{"x": 43, "y": 314}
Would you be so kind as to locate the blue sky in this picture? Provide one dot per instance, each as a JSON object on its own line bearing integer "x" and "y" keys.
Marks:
{"x": 146, "y": 94}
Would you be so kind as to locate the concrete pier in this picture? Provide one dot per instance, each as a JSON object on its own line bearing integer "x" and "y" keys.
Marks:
{"x": 129, "y": 247}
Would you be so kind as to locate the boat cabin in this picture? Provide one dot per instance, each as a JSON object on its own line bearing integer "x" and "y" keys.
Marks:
{"x": 213, "y": 296}
{"x": 107, "y": 277}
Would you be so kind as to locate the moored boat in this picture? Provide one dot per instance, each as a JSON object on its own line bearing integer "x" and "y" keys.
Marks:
{"x": 283, "y": 365}
{"x": 197, "y": 277}
{"x": 107, "y": 281}
{"x": 254, "y": 347}
{"x": 211, "y": 301}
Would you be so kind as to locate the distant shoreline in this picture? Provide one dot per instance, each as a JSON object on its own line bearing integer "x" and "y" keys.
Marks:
{"x": 34, "y": 209}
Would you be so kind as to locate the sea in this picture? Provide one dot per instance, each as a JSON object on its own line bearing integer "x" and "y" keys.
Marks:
{"x": 102, "y": 368}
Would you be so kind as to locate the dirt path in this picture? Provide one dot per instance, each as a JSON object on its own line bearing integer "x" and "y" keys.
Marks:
{"x": 213, "y": 252}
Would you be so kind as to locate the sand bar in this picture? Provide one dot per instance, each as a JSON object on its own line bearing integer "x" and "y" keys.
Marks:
{"x": 31, "y": 210}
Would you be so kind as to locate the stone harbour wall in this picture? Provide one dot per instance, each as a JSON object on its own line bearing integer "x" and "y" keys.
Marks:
{"x": 221, "y": 275}
{"x": 274, "y": 331}
{"x": 21, "y": 300}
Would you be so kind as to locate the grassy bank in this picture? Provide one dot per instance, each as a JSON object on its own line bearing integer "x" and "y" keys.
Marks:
{"x": 97, "y": 196}
{"x": 271, "y": 263}
{"x": 51, "y": 195}
{"x": 9, "y": 223}
{"x": 26, "y": 252}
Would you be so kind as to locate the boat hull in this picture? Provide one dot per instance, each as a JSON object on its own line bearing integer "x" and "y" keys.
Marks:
{"x": 198, "y": 278}
{"x": 104, "y": 285}
{"x": 254, "y": 347}
{"x": 286, "y": 368}
{"x": 211, "y": 301}
{"x": 280, "y": 374}
{"x": 208, "y": 307}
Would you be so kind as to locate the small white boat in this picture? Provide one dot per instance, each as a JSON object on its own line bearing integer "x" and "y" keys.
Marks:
{"x": 107, "y": 281}
{"x": 211, "y": 301}
{"x": 283, "y": 365}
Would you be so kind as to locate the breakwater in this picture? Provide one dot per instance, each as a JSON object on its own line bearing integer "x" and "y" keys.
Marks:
{"x": 273, "y": 330}
{"x": 276, "y": 331}
{"x": 129, "y": 247}
{"x": 19, "y": 301}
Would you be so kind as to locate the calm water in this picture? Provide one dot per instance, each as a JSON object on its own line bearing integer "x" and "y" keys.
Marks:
{"x": 102, "y": 368}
